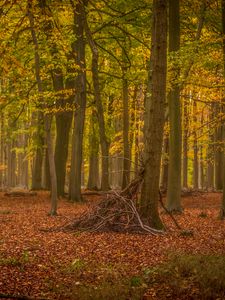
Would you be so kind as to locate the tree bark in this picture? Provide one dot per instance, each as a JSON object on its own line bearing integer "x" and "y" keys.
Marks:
{"x": 78, "y": 49}
{"x": 47, "y": 117}
{"x": 165, "y": 162}
{"x": 195, "y": 147}
{"x": 38, "y": 159}
{"x": 63, "y": 125}
{"x": 218, "y": 155}
{"x": 175, "y": 138}
{"x": 93, "y": 177}
{"x": 210, "y": 152}
{"x": 223, "y": 125}
{"x": 104, "y": 142}
{"x": 126, "y": 145}
{"x": 155, "y": 117}
{"x": 185, "y": 144}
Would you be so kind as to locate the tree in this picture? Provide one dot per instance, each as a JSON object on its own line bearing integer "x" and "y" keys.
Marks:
{"x": 47, "y": 116}
{"x": 104, "y": 142}
{"x": 223, "y": 32}
{"x": 175, "y": 138}
{"x": 78, "y": 49}
{"x": 154, "y": 121}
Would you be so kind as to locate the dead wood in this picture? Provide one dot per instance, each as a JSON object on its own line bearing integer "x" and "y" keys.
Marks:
{"x": 19, "y": 193}
{"x": 117, "y": 212}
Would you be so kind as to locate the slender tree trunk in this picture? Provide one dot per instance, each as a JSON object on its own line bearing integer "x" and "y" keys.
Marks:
{"x": 46, "y": 173}
{"x": 185, "y": 144}
{"x": 80, "y": 102}
{"x": 223, "y": 125}
{"x": 93, "y": 177}
{"x": 175, "y": 139}
{"x": 165, "y": 164}
{"x": 218, "y": 156}
{"x": 38, "y": 159}
{"x": 47, "y": 117}
{"x": 210, "y": 153}
{"x": 2, "y": 161}
{"x": 155, "y": 116}
{"x": 11, "y": 164}
{"x": 126, "y": 145}
{"x": 98, "y": 102}
{"x": 195, "y": 147}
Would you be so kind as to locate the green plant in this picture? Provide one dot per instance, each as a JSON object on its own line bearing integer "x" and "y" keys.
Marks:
{"x": 11, "y": 261}
{"x": 136, "y": 281}
{"x": 206, "y": 273}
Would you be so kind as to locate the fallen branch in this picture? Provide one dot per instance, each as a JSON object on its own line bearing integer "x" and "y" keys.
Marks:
{"x": 19, "y": 297}
{"x": 167, "y": 211}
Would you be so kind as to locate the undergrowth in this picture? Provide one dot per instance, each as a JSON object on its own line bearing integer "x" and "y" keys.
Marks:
{"x": 198, "y": 276}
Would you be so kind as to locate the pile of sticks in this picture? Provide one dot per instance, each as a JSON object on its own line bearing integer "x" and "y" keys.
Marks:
{"x": 116, "y": 212}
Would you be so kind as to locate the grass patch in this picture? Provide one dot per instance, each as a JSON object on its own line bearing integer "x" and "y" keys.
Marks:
{"x": 98, "y": 282}
{"x": 201, "y": 276}
{"x": 122, "y": 290}
{"x": 15, "y": 261}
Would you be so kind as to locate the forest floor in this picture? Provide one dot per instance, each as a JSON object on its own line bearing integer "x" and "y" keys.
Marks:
{"x": 59, "y": 265}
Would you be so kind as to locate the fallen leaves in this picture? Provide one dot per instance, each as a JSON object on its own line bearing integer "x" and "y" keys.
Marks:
{"x": 45, "y": 256}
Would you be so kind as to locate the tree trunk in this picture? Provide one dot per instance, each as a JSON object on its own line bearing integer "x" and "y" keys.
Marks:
{"x": 11, "y": 164}
{"x": 218, "y": 156}
{"x": 47, "y": 117}
{"x": 155, "y": 116}
{"x": 37, "y": 165}
{"x": 195, "y": 147}
{"x": 185, "y": 144}
{"x": 80, "y": 102}
{"x": 126, "y": 145}
{"x": 52, "y": 170}
{"x": 46, "y": 173}
{"x": 99, "y": 106}
{"x": 63, "y": 125}
{"x": 93, "y": 177}
{"x": 210, "y": 153}
{"x": 165, "y": 169}
{"x": 175, "y": 139}
{"x": 223, "y": 107}
{"x": 2, "y": 153}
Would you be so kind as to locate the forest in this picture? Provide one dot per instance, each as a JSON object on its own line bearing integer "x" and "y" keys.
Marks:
{"x": 112, "y": 149}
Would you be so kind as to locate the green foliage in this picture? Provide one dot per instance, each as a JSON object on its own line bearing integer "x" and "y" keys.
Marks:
{"x": 135, "y": 281}
{"x": 16, "y": 261}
